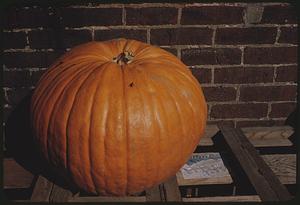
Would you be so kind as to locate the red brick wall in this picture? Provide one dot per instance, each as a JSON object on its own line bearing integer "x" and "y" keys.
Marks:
{"x": 248, "y": 68}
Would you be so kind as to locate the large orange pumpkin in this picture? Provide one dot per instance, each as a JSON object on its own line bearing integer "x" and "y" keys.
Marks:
{"x": 118, "y": 116}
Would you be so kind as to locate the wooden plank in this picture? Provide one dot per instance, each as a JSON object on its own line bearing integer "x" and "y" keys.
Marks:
{"x": 60, "y": 194}
{"x": 262, "y": 133}
{"x": 42, "y": 190}
{"x": 154, "y": 194}
{"x": 265, "y": 182}
{"x": 172, "y": 192}
{"x": 203, "y": 181}
{"x": 247, "y": 198}
{"x": 15, "y": 176}
{"x": 258, "y": 136}
{"x": 283, "y": 165}
{"x": 109, "y": 199}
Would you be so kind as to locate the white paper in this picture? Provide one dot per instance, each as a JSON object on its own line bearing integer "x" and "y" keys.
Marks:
{"x": 204, "y": 165}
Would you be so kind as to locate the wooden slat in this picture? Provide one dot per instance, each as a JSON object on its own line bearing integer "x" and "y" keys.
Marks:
{"x": 258, "y": 136}
{"x": 283, "y": 165}
{"x": 172, "y": 192}
{"x": 265, "y": 182}
{"x": 154, "y": 194}
{"x": 203, "y": 181}
{"x": 262, "y": 133}
{"x": 60, "y": 194}
{"x": 109, "y": 199}
{"x": 15, "y": 176}
{"x": 42, "y": 190}
{"x": 247, "y": 198}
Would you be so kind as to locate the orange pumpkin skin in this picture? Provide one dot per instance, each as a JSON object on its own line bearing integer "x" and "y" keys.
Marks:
{"x": 117, "y": 128}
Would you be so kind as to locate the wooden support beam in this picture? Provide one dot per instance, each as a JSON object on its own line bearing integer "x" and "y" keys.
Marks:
{"x": 263, "y": 179}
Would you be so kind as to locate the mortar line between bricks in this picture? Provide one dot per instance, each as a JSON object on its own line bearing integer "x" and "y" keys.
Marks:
{"x": 249, "y": 84}
{"x": 274, "y": 73}
{"x": 247, "y": 102}
{"x": 155, "y": 27}
{"x": 248, "y": 119}
{"x": 174, "y": 46}
{"x": 145, "y": 5}
{"x": 277, "y": 35}
{"x": 179, "y": 14}
{"x": 239, "y": 65}
{"x": 269, "y": 110}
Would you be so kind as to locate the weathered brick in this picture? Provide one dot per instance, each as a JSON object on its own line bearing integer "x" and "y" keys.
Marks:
{"x": 77, "y": 17}
{"x": 14, "y": 40}
{"x": 30, "y": 59}
{"x": 181, "y": 36}
{"x": 250, "y": 110}
{"x": 25, "y": 18}
{"x": 212, "y": 15}
{"x": 58, "y": 39}
{"x": 16, "y": 95}
{"x": 268, "y": 93}
{"x": 203, "y": 75}
{"x": 288, "y": 35}
{"x": 286, "y": 74}
{"x": 243, "y": 75}
{"x": 270, "y": 55}
{"x": 224, "y": 122}
{"x": 282, "y": 109}
{"x": 279, "y": 14}
{"x": 219, "y": 93}
{"x": 211, "y": 56}
{"x": 35, "y": 76}
{"x": 16, "y": 78}
{"x": 151, "y": 16}
{"x": 253, "y": 35}
{"x": 263, "y": 123}
{"x": 171, "y": 50}
{"x": 102, "y": 35}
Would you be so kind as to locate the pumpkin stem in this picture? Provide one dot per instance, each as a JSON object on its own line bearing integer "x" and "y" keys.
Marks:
{"x": 124, "y": 58}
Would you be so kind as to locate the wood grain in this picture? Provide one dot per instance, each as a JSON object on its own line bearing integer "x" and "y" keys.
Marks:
{"x": 42, "y": 190}
{"x": 265, "y": 182}
{"x": 283, "y": 165}
{"x": 247, "y": 198}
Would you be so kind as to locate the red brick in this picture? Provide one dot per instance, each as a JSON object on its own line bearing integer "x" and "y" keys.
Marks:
{"x": 25, "y": 18}
{"x": 286, "y": 74}
{"x": 14, "y": 40}
{"x": 243, "y": 75}
{"x": 212, "y": 15}
{"x": 211, "y": 56}
{"x": 219, "y": 93}
{"x": 35, "y": 76}
{"x": 262, "y": 123}
{"x": 288, "y": 35}
{"x": 270, "y": 55}
{"x": 268, "y": 93}
{"x": 223, "y": 111}
{"x": 171, "y": 50}
{"x": 253, "y": 35}
{"x": 151, "y": 16}
{"x": 203, "y": 75}
{"x": 16, "y": 78}
{"x": 58, "y": 39}
{"x": 16, "y": 95}
{"x": 30, "y": 59}
{"x": 279, "y": 14}
{"x": 282, "y": 109}
{"x": 181, "y": 36}
{"x": 102, "y": 35}
{"x": 77, "y": 17}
